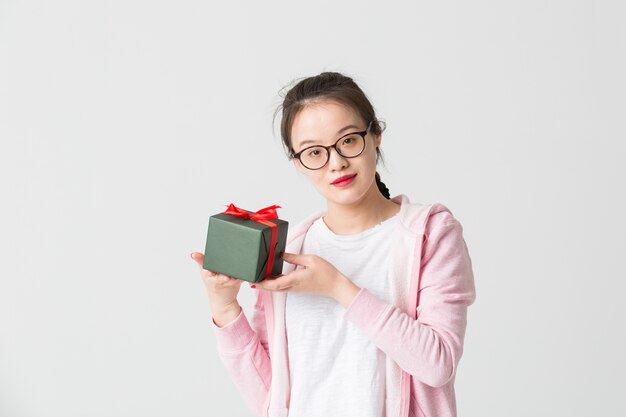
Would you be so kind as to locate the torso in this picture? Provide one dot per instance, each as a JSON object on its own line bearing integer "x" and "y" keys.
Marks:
{"x": 334, "y": 368}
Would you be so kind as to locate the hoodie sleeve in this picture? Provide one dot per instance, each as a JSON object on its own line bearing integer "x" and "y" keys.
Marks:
{"x": 243, "y": 350}
{"x": 430, "y": 347}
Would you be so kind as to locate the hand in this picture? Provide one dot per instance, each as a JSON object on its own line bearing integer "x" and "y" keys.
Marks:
{"x": 313, "y": 275}
{"x": 222, "y": 291}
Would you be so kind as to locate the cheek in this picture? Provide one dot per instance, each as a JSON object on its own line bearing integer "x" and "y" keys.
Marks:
{"x": 319, "y": 182}
{"x": 369, "y": 161}
{"x": 316, "y": 178}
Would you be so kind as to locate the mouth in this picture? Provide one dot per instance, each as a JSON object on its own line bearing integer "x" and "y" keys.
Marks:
{"x": 343, "y": 181}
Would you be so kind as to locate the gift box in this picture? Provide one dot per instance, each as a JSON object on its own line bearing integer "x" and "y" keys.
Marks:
{"x": 246, "y": 245}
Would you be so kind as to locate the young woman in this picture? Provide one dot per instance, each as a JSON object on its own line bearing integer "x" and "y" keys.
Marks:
{"x": 369, "y": 316}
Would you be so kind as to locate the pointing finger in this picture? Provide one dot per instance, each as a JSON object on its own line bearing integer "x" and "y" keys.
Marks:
{"x": 297, "y": 259}
{"x": 280, "y": 283}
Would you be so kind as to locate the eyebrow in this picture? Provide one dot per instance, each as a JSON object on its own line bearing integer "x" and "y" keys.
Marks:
{"x": 338, "y": 133}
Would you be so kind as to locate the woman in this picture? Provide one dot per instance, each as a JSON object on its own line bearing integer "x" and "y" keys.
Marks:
{"x": 369, "y": 316}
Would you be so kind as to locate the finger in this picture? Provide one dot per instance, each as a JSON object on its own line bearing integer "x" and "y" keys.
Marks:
{"x": 297, "y": 259}
{"x": 279, "y": 288}
{"x": 276, "y": 284}
{"x": 198, "y": 258}
{"x": 226, "y": 278}
{"x": 221, "y": 278}
{"x": 234, "y": 283}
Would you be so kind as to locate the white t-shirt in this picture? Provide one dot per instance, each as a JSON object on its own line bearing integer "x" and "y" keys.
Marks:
{"x": 335, "y": 370}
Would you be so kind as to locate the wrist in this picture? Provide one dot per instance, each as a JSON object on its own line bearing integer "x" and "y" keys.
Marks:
{"x": 345, "y": 291}
{"x": 225, "y": 313}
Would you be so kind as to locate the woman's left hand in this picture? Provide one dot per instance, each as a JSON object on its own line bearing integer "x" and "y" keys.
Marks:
{"x": 313, "y": 275}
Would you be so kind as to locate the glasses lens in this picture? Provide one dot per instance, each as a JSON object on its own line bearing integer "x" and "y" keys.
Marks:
{"x": 351, "y": 145}
{"x": 314, "y": 157}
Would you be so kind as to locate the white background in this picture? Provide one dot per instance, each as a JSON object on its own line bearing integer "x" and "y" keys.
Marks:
{"x": 125, "y": 124}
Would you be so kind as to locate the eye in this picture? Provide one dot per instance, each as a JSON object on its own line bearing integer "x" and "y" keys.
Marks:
{"x": 350, "y": 140}
{"x": 314, "y": 153}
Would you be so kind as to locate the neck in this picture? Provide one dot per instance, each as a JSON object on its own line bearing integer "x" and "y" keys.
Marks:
{"x": 371, "y": 210}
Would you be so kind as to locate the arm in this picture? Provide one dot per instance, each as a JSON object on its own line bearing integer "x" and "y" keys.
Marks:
{"x": 430, "y": 347}
{"x": 244, "y": 353}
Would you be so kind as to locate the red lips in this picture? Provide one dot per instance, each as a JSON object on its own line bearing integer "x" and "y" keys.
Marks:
{"x": 345, "y": 177}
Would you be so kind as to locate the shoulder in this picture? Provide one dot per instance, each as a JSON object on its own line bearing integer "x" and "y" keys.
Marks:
{"x": 441, "y": 216}
{"x": 420, "y": 216}
{"x": 442, "y": 232}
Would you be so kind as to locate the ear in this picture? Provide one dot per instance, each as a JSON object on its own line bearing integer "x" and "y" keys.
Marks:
{"x": 377, "y": 140}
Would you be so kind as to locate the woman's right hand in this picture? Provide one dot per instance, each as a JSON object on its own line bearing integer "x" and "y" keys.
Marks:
{"x": 222, "y": 291}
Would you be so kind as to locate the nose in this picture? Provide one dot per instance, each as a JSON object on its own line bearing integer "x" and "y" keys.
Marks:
{"x": 336, "y": 162}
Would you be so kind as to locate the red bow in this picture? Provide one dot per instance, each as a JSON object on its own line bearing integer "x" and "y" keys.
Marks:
{"x": 267, "y": 213}
{"x": 260, "y": 216}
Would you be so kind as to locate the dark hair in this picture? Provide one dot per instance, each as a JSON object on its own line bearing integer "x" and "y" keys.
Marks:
{"x": 328, "y": 86}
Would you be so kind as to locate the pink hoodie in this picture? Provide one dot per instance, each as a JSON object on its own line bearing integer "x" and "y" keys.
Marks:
{"x": 421, "y": 332}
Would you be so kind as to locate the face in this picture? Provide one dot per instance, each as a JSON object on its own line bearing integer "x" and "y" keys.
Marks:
{"x": 322, "y": 123}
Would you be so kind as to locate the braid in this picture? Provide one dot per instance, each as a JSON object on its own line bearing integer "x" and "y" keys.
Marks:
{"x": 382, "y": 187}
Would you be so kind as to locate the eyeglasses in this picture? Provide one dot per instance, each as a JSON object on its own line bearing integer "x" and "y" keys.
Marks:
{"x": 348, "y": 146}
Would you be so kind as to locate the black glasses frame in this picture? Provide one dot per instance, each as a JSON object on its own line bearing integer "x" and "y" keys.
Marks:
{"x": 327, "y": 148}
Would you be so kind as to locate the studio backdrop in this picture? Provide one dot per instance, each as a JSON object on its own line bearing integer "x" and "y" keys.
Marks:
{"x": 124, "y": 125}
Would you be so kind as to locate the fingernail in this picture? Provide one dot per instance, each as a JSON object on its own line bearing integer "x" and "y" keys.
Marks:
{"x": 191, "y": 255}
{"x": 252, "y": 286}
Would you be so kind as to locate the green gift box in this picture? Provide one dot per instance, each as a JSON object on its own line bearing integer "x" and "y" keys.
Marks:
{"x": 238, "y": 243}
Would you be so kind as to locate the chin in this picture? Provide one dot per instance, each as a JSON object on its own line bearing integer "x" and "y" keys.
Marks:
{"x": 345, "y": 197}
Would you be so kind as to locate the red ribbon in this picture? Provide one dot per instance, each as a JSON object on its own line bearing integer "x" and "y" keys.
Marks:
{"x": 261, "y": 216}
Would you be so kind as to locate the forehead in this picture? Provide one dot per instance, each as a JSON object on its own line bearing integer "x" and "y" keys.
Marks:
{"x": 322, "y": 122}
